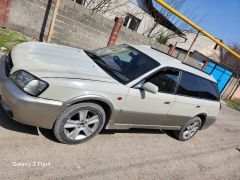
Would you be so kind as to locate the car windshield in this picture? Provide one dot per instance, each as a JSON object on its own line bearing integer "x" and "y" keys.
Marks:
{"x": 123, "y": 62}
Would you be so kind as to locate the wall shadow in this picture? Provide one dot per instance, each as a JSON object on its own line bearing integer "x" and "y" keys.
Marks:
{"x": 45, "y": 19}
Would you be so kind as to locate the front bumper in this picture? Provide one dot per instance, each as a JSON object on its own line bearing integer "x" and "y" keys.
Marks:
{"x": 24, "y": 108}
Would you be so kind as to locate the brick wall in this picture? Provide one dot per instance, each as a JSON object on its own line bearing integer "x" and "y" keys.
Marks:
{"x": 4, "y": 12}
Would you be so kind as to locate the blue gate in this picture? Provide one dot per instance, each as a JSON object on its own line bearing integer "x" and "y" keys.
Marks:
{"x": 222, "y": 75}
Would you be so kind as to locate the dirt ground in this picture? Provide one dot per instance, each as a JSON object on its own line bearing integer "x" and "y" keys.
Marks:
{"x": 31, "y": 153}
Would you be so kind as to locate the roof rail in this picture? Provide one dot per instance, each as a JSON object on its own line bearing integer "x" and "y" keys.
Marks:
{"x": 181, "y": 61}
{"x": 165, "y": 54}
{"x": 162, "y": 52}
{"x": 194, "y": 67}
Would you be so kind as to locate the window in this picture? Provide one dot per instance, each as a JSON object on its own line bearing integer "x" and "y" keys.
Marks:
{"x": 123, "y": 62}
{"x": 189, "y": 85}
{"x": 209, "y": 90}
{"x": 82, "y": 2}
{"x": 131, "y": 22}
{"x": 166, "y": 80}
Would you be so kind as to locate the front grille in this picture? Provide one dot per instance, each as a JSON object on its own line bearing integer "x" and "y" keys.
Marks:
{"x": 8, "y": 64}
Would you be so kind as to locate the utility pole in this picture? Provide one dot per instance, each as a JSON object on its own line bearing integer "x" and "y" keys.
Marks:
{"x": 191, "y": 46}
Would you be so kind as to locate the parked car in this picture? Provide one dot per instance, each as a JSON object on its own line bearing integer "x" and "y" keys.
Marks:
{"x": 77, "y": 93}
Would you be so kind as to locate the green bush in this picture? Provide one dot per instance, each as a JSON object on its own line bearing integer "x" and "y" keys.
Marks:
{"x": 162, "y": 39}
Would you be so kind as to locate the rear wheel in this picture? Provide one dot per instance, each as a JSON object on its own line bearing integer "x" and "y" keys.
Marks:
{"x": 189, "y": 129}
{"x": 79, "y": 123}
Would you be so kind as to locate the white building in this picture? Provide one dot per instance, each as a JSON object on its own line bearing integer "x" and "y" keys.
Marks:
{"x": 203, "y": 48}
{"x": 138, "y": 15}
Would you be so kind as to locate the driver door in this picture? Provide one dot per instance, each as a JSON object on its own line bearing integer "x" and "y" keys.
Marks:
{"x": 148, "y": 109}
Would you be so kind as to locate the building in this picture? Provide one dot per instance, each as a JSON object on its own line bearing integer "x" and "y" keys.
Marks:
{"x": 139, "y": 15}
{"x": 205, "y": 54}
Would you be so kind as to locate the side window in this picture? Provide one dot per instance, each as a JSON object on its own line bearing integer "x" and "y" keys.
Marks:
{"x": 166, "y": 80}
{"x": 209, "y": 90}
{"x": 189, "y": 85}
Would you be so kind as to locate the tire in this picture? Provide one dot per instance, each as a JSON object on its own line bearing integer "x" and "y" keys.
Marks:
{"x": 79, "y": 123}
{"x": 184, "y": 134}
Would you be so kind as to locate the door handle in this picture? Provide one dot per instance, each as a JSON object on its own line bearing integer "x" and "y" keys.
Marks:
{"x": 167, "y": 102}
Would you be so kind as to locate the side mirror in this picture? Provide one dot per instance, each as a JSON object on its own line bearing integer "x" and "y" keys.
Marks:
{"x": 150, "y": 87}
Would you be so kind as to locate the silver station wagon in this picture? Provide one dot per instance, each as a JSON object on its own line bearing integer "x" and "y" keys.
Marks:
{"x": 77, "y": 93}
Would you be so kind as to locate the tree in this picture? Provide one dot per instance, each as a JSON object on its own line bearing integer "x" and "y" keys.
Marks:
{"x": 101, "y": 6}
{"x": 154, "y": 30}
{"x": 231, "y": 61}
{"x": 162, "y": 39}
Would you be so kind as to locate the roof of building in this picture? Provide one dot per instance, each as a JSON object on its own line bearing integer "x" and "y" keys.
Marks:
{"x": 211, "y": 53}
{"x": 166, "y": 60}
{"x": 201, "y": 42}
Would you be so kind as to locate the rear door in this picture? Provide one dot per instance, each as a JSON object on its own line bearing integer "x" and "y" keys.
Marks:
{"x": 145, "y": 108}
{"x": 210, "y": 96}
{"x": 187, "y": 101}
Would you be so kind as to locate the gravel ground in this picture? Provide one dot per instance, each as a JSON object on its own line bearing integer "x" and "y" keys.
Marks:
{"x": 136, "y": 154}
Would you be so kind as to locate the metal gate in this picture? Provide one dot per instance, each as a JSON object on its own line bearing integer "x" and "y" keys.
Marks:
{"x": 221, "y": 74}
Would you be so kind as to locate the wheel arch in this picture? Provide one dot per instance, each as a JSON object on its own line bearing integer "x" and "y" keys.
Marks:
{"x": 105, "y": 103}
{"x": 203, "y": 117}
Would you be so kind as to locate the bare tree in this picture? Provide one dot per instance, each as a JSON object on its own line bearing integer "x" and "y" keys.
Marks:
{"x": 231, "y": 61}
{"x": 154, "y": 29}
{"x": 101, "y": 6}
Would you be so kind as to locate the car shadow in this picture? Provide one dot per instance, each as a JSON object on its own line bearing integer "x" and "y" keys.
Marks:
{"x": 48, "y": 133}
{"x": 139, "y": 131}
{"x": 8, "y": 123}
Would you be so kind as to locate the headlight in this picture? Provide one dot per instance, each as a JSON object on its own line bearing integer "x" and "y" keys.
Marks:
{"x": 29, "y": 83}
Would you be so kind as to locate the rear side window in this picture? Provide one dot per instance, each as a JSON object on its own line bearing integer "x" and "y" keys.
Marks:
{"x": 189, "y": 85}
{"x": 209, "y": 90}
{"x": 194, "y": 86}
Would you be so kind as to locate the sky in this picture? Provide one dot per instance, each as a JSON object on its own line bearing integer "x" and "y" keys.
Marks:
{"x": 220, "y": 18}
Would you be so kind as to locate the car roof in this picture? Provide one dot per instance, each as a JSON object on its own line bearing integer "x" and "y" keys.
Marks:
{"x": 169, "y": 61}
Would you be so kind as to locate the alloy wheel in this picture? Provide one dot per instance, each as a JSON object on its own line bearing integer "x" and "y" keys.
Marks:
{"x": 81, "y": 125}
{"x": 191, "y": 130}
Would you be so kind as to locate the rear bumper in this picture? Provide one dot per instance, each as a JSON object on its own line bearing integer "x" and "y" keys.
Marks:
{"x": 24, "y": 108}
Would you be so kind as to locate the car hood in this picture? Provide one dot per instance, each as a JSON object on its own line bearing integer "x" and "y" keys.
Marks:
{"x": 46, "y": 60}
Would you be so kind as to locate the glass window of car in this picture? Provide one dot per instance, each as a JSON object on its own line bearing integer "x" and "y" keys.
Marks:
{"x": 209, "y": 90}
{"x": 166, "y": 80}
{"x": 123, "y": 62}
{"x": 189, "y": 85}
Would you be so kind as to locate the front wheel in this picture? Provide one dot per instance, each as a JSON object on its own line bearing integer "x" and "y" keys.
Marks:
{"x": 79, "y": 123}
{"x": 189, "y": 129}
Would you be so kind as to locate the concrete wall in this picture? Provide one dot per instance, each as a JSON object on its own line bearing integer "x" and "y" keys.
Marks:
{"x": 75, "y": 26}
{"x": 79, "y": 27}
{"x": 236, "y": 95}
{"x": 31, "y": 17}
{"x": 229, "y": 88}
